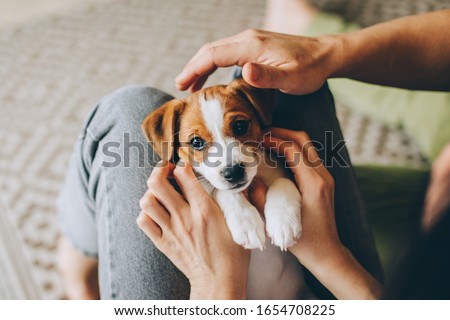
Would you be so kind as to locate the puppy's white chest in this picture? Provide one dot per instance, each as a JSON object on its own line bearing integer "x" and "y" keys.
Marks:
{"x": 274, "y": 274}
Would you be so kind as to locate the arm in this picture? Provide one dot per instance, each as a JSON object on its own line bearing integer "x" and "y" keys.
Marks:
{"x": 410, "y": 52}
{"x": 345, "y": 277}
{"x": 319, "y": 248}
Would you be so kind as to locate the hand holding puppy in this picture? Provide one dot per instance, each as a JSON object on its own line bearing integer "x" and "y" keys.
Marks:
{"x": 191, "y": 231}
{"x": 319, "y": 241}
{"x": 319, "y": 249}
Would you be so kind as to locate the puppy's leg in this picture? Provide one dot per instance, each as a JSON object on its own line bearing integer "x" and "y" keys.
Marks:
{"x": 244, "y": 221}
{"x": 282, "y": 212}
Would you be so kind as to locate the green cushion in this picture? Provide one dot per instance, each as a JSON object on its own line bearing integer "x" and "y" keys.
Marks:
{"x": 423, "y": 115}
{"x": 393, "y": 197}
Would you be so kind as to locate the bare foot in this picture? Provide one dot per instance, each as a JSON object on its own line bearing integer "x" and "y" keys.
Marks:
{"x": 79, "y": 272}
{"x": 289, "y": 16}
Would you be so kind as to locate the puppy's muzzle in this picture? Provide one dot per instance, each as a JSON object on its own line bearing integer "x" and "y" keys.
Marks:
{"x": 235, "y": 174}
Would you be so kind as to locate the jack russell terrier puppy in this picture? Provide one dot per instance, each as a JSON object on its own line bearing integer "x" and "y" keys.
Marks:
{"x": 218, "y": 130}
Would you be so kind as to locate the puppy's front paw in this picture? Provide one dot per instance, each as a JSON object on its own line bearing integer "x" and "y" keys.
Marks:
{"x": 282, "y": 213}
{"x": 247, "y": 228}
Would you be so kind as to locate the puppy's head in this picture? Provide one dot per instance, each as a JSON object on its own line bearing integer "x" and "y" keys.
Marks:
{"x": 217, "y": 130}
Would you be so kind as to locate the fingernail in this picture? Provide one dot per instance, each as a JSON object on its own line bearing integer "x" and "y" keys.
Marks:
{"x": 158, "y": 164}
{"x": 139, "y": 218}
{"x": 179, "y": 78}
{"x": 180, "y": 164}
{"x": 179, "y": 167}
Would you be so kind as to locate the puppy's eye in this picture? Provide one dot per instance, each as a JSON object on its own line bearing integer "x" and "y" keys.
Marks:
{"x": 240, "y": 127}
{"x": 198, "y": 143}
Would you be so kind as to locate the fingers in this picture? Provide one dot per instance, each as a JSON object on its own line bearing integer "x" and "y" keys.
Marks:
{"x": 150, "y": 228}
{"x": 302, "y": 139}
{"x": 198, "y": 84}
{"x": 189, "y": 184}
{"x": 308, "y": 152}
{"x": 222, "y": 55}
{"x": 217, "y": 43}
{"x": 311, "y": 154}
{"x": 235, "y": 50}
{"x": 197, "y": 78}
{"x": 257, "y": 194}
{"x": 264, "y": 76}
{"x": 161, "y": 188}
{"x": 291, "y": 151}
{"x": 150, "y": 206}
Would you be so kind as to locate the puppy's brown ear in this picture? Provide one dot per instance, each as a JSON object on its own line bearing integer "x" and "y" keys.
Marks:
{"x": 161, "y": 128}
{"x": 262, "y": 100}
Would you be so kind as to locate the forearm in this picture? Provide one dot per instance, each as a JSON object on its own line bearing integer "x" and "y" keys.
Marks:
{"x": 411, "y": 52}
{"x": 343, "y": 276}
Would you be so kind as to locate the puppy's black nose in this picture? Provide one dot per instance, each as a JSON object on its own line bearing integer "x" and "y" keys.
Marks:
{"x": 234, "y": 173}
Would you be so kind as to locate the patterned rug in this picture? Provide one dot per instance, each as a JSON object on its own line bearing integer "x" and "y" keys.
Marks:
{"x": 52, "y": 71}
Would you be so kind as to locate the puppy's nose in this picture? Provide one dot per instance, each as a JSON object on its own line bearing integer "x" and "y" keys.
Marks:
{"x": 234, "y": 173}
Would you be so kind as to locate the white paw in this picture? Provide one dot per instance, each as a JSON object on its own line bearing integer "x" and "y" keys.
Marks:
{"x": 282, "y": 213}
{"x": 247, "y": 228}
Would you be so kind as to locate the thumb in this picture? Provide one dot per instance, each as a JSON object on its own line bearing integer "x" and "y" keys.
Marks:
{"x": 264, "y": 76}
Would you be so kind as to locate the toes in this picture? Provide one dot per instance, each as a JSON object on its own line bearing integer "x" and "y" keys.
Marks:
{"x": 284, "y": 228}
{"x": 284, "y": 236}
{"x": 248, "y": 232}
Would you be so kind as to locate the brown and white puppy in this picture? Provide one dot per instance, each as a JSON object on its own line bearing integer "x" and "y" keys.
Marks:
{"x": 218, "y": 130}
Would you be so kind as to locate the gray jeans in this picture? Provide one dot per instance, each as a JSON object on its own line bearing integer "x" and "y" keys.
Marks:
{"x": 112, "y": 161}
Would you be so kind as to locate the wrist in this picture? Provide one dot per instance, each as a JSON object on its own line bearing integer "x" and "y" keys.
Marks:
{"x": 334, "y": 61}
{"x": 336, "y": 260}
{"x": 324, "y": 259}
{"x": 342, "y": 274}
{"x": 221, "y": 288}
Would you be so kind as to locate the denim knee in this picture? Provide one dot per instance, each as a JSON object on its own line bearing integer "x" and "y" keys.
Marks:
{"x": 124, "y": 110}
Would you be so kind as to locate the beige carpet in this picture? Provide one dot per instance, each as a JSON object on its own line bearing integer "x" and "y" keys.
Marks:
{"x": 16, "y": 281}
{"x": 53, "y": 70}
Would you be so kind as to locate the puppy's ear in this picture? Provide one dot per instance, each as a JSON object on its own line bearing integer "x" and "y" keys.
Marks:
{"x": 161, "y": 128}
{"x": 262, "y": 100}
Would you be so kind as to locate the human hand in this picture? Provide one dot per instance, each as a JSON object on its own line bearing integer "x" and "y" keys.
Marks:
{"x": 191, "y": 231}
{"x": 293, "y": 64}
{"x": 319, "y": 241}
{"x": 319, "y": 249}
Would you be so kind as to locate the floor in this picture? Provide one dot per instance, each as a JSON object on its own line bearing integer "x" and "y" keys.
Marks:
{"x": 18, "y": 12}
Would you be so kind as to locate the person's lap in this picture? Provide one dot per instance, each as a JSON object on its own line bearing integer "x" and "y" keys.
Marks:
{"x": 100, "y": 201}
{"x": 106, "y": 208}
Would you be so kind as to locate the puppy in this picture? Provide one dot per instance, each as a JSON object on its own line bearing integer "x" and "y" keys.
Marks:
{"x": 218, "y": 131}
